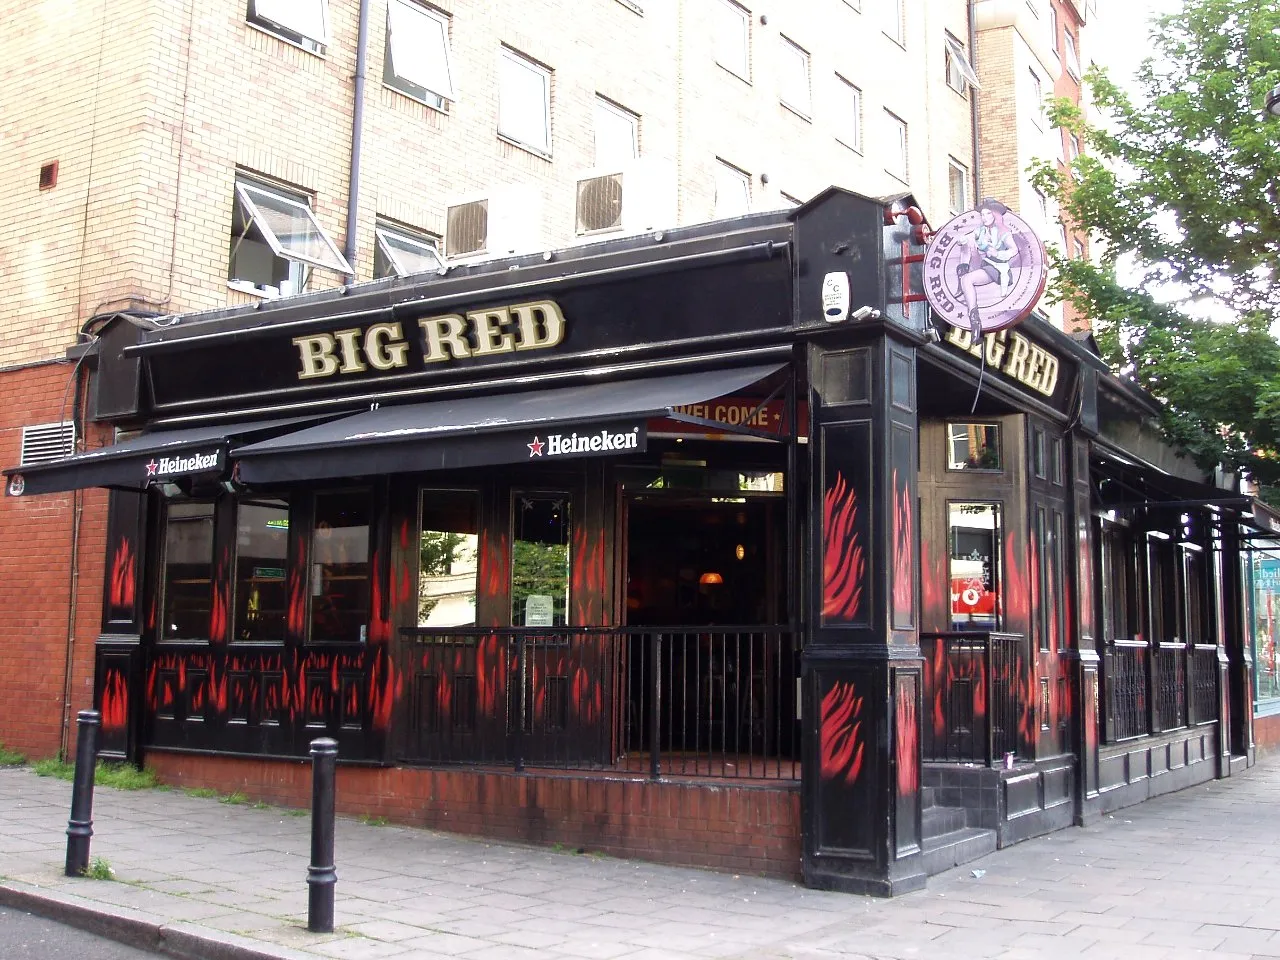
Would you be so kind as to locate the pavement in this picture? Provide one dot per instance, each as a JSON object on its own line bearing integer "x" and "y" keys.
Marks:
{"x": 1191, "y": 874}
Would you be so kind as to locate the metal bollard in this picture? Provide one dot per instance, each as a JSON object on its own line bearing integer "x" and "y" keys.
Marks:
{"x": 80, "y": 826}
{"x": 322, "y": 876}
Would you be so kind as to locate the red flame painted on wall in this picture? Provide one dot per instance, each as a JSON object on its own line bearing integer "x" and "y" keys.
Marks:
{"x": 587, "y": 575}
{"x": 908, "y": 736}
{"x": 115, "y": 701}
{"x": 219, "y": 616}
{"x": 839, "y": 734}
{"x": 1017, "y": 590}
{"x": 587, "y": 696}
{"x": 903, "y": 544}
{"x": 123, "y": 573}
{"x": 930, "y": 585}
{"x": 843, "y": 564}
{"x": 297, "y": 586}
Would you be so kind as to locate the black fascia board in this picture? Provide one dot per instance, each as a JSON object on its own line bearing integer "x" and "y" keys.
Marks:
{"x": 471, "y": 283}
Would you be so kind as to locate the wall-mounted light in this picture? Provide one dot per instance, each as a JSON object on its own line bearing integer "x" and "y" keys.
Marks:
{"x": 739, "y": 551}
{"x": 710, "y": 577}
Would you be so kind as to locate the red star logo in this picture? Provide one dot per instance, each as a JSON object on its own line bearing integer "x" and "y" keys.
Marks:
{"x": 535, "y": 448}
{"x": 152, "y": 467}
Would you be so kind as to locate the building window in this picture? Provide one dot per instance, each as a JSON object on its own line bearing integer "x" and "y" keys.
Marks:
{"x": 417, "y": 59}
{"x": 276, "y": 240}
{"x": 788, "y": 201}
{"x": 960, "y": 72}
{"x": 1073, "y": 56}
{"x": 893, "y": 20}
{"x": 304, "y": 23}
{"x": 975, "y": 535}
{"x": 617, "y": 134}
{"x": 731, "y": 34}
{"x": 1195, "y": 595}
{"x": 448, "y": 558}
{"x": 540, "y": 560}
{"x": 957, "y": 186}
{"x": 733, "y": 191}
{"x": 973, "y": 446}
{"x": 1162, "y": 620}
{"x": 186, "y": 583}
{"x": 848, "y": 110}
{"x": 793, "y": 70}
{"x": 524, "y": 102}
{"x": 1264, "y": 573}
{"x": 262, "y": 551}
{"x": 1042, "y": 205}
{"x": 340, "y": 567}
{"x": 1053, "y": 30}
{"x": 399, "y": 252}
{"x": 1077, "y": 249}
{"x": 896, "y": 146}
{"x": 1036, "y": 93}
{"x": 1117, "y": 578}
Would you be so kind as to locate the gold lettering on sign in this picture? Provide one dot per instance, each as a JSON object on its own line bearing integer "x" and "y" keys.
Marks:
{"x": 444, "y": 332}
{"x": 530, "y": 316}
{"x": 1014, "y": 356}
{"x": 385, "y": 347}
{"x": 317, "y": 356}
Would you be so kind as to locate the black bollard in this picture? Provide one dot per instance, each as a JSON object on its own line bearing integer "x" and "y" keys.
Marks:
{"x": 80, "y": 826}
{"x": 322, "y": 876}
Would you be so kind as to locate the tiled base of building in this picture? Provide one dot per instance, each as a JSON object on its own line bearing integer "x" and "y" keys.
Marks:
{"x": 1266, "y": 733}
{"x": 739, "y": 828}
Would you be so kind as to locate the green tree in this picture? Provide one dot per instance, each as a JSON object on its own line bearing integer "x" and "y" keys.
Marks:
{"x": 1182, "y": 181}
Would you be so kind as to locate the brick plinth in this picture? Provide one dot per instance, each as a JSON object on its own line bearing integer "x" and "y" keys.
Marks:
{"x": 1266, "y": 733}
{"x": 722, "y": 825}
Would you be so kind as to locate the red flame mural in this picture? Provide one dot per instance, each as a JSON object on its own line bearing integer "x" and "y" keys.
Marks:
{"x": 587, "y": 696}
{"x": 115, "y": 701}
{"x": 843, "y": 563}
{"x": 296, "y": 619}
{"x": 123, "y": 570}
{"x": 219, "y": 617}
{"x": 839, "y": 737}
{"x": 935, "y": 600}
{"x": 908, "y": 735}
{"x": 903, "y": 543}
{"x": 1017, "y": 589}
{"x": 587, "y": 575}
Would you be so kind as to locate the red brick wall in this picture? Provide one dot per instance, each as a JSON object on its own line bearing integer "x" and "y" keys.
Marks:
{"x": 37, "y": 585}
{"x": 1266, "y": 733}
{"x": 725, "y": 826}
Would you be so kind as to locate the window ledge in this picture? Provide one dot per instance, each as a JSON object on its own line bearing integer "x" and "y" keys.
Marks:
{"x": 897, "y": 42}
{"x": 797, "y": 111}
{"x": 633, "y": 7}
{"x": 253, "y": 290}
{"x": 733, "y": 73}
{"x": 845, "y": 143}
{"x": 267, "y": 31}
{"x": 444, "y": 111}
{"x": 540, "y": 154}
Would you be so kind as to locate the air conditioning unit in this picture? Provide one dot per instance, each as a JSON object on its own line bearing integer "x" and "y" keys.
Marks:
{"x": 637, "y": 196}
{"x": 503, "y": 221}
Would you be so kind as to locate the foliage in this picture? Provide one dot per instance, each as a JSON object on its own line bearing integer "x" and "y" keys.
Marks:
{"x": 202, "y": 793}
{"x": 235, "y": 799}
{"x": 99, "y": 869}
{"x": 437, "y": 552}
{"x": 124, "y": 776}
{"x": 53, "y": 767}
{"x": 11, "y": 758}
{"x": 541, "y": 569}
{"x": 1184, "y": 180}
{"x": 372, "y": 821}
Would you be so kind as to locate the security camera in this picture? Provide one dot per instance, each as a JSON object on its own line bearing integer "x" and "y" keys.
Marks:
{"x": 865, "y": 313}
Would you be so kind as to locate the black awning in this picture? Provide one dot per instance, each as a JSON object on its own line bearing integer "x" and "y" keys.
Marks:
{"x": 595, "y": 419}
{"x": 158, "y": 457}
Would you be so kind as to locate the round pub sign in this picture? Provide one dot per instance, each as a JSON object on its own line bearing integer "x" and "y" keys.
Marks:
{"x": 985, "y": 269}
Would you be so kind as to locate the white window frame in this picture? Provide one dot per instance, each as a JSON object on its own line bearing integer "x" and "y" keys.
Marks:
{"x": 898, "y": 130}
{"x": 282, "y": 19}
{"x": 843, "y": 133}
{"x": 1077, "y": 249}
{"x": 954, "y": 167}
{"x": 615, "y": 114}
{"x": 1072, "y": 61}
{"x": 960, "y": 72}
{"x": 1053, "y": 31}
{"x": 790, "y": 49}
{"x": 1037, "y": 98}
{"x": 722, "y": 43}
{"x": 507, "y": 60}
{"x": 434, "y": 87}
{"x": 727, "y": 173}
{"x": 387, "y": 235}
{"x": 893, "y": 19}
{"x": 249, "y": 195}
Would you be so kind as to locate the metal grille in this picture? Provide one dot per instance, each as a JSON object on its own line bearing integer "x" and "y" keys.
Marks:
{"x": 467, "y": 229}
{"x": 1125, "y": 677}
{"x": 600, "y": 203}
{"x": 48, "y": 441}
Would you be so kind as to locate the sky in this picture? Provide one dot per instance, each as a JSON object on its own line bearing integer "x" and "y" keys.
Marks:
{"x": 1118, "y": 39}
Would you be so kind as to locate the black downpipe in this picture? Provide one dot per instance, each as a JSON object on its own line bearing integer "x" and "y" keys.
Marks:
{"x": 357, "y": 139}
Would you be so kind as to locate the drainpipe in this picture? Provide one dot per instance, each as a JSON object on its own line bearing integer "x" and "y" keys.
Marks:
{"x": 357, "y": 137}
{"x": 973, "y": 104}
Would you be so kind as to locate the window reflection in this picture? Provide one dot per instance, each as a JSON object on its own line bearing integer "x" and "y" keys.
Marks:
{"x": 448, "y": 555}
{"x": 188, "y": 568}
{"x": 1266, "y": 623}
{"x": 540, "y": 561}
{"x": 975, "y": 536}
{"x": 262, "y": 546}
{"x": 340, "y": 567}
{"x": 973, "y": 446}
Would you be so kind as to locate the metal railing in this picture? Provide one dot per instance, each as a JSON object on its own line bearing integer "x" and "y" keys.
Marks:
{"x": 1169, "y": 679}
{"x": 972, "y": 699}
{"x": 1204, "y": 684}
{"x": 1124, "y": 678}
{"x": 677, "y": 701}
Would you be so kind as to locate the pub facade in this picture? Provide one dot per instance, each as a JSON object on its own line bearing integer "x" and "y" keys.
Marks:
{"x": 711, "y": 546}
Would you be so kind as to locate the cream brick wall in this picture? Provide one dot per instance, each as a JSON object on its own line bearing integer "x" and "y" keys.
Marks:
{"x": 151, "y": 106}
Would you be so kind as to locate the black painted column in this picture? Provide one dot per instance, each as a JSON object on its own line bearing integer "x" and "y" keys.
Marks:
{"x": 1085, "y": 729}
{"x": 861, "y": 666}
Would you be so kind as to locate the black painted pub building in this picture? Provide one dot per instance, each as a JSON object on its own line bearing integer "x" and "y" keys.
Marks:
{"x": 643, "y": 509}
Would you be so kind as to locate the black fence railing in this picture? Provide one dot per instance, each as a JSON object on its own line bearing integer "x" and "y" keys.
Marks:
{"x": 972, "y": 700}
{"x": 1154, "y": 691}
{"x": 1169, "y": 678}
{"x": 1124, "y": 678}
{"x": 689, "y": 701}
{"x": 1204, "y": 684}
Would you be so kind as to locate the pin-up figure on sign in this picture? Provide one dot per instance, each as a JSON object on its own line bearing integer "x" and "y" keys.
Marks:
{"x": 984, "y": 270}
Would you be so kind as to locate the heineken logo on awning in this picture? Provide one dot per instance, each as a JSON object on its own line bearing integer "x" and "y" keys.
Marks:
{"x": 174, "y": 466}
{"x": 577, "y": 444}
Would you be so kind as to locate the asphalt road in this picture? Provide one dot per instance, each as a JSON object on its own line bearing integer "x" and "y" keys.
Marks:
{"x": 24, "y": 936}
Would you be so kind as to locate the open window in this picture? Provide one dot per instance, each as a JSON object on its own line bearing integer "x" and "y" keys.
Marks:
{"x": 417, "y": 61}
{"x": 276, "y": 240}
{"x": 401, "y": 253}
{"x": 960, "y": 72}
{"x": 304, "y": 23}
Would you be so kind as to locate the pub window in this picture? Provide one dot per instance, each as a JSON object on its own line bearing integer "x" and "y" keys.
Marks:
{"x": 731, "y": 34}
{"x": 1162, "y": 589}
{"x": 540, "y": 560}
{"x": 276, "y": 240}
{"x": 340, "y": 567}
{"x": 448, "y": 558}
{"x": 973, "y": 446}
{"x": 400, "y": 252}
{"x": 975, "y": 536}
{"x": 1264, "y": 574}
{"x": 304, "y": 23}
{"x": 1116, "y": 574}
{"x": 416, "y": 60}
{"x": 262, "y": 549}
{"x": 524, "y": 102}
{"x": 1195, "y": 587}
{"x": 188, "y": 572}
